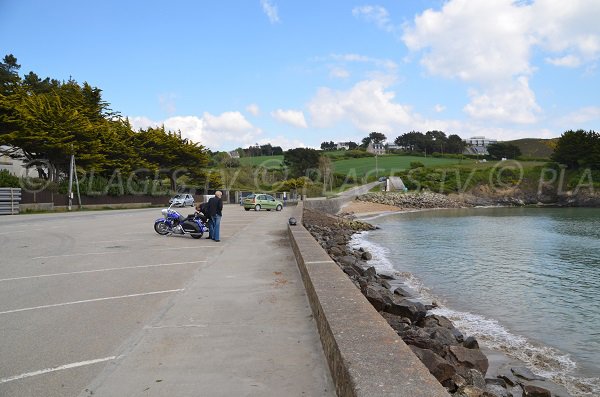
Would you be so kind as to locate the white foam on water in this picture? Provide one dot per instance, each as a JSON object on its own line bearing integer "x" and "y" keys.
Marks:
{"x": 542, "y": 360}
{"x": 380, "y": 254}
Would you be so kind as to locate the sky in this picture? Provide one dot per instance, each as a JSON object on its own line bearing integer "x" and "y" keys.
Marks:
{"x": 233, "y": 73}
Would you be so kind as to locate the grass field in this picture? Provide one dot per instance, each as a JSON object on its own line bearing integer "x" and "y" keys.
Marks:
{"x": 266, "y": 161}
{"x": 388, "y": 164}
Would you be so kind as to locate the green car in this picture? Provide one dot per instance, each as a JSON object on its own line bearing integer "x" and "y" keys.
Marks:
{"x": 262, "y": 201}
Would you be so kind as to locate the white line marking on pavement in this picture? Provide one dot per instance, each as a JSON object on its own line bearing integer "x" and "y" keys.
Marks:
{"x": 59, "y": 368}
{"x": 177, "y": 326}
{"x": 99, "y": 270}
{"x": 121, "y": 252}
{"x": 91, "y": 300}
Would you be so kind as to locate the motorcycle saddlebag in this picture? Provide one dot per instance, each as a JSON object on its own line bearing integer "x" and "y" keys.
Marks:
{"x": 190, "y": 227}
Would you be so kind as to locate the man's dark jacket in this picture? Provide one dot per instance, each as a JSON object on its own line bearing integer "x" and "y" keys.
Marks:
{"x": 215, "y": 206}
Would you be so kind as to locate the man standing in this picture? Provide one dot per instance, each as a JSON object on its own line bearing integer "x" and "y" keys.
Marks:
{"x": 215, "y": 208}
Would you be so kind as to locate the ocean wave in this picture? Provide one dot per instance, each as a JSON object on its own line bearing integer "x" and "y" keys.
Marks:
{"x": 542, "y": 360}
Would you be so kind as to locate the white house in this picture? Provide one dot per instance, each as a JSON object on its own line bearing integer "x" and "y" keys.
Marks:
{"x": 15, "y": 167}
{"x": 342, "y": 145}
{"x": 480, "y": 141}
{"x": 376, "y": 148}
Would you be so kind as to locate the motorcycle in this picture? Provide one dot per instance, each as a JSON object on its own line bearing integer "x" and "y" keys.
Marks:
{"x": 175, "y": 223}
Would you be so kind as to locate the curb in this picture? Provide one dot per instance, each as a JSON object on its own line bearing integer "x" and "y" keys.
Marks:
{"x": 366, "y": 356}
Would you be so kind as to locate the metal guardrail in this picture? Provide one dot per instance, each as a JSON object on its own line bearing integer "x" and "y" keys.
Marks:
{"x": 10, "y": 198}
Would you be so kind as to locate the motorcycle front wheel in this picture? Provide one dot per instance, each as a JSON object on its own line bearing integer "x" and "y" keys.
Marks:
{"x": 161, "y": 228}
{"x": 196, "y": 235}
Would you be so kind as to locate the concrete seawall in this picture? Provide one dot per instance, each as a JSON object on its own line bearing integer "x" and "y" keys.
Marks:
{"x": 365, "y": 355}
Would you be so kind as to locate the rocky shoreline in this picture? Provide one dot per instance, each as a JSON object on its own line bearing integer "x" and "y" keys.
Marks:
{"x": 453, "y": 358}
{"x": 482, "y": 196}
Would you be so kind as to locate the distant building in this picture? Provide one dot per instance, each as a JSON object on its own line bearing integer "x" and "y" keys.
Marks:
{"x": 395, "y": 147}
{"x": 376, "y": 148}
{"x": 234, "y": 154}
{"x": 342, "y": 145}
{"x": 15, "y": 167}
{"x": 480, "y": 141}
{"x": 478, "y": 145}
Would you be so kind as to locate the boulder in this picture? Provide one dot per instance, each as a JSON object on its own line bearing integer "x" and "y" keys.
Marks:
{"x": 371, "y": 274}
{"x": 336, "y": 251}
{"x": 414, "y": 336}
{"x": 471, "y": 343}
{"x": 468, "y": 358}
{"x": 440, "y": 368}
{"x": 496, "y": 391}
{"x": 406, "y": 308}
{"x": 525, "y": 373}
{"x": 444, "y": 335}
{"x": 469, "y": 391}
{"x": 475, "y": 378}
{"x": 434, "y": 320}
{"x": 374, "y": 296}
{"x": 367, "y": 256}
{"x": 535, "y": 391}
{"x": 399, "y": 324}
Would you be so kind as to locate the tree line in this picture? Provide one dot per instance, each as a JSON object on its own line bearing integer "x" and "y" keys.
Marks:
{"x": 414, "y": 141}
{"x": 45, "y": 121}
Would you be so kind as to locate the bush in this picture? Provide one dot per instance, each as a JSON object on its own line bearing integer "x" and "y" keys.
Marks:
{"x": 8, "y": 180}
{"x": 416, "y": 164}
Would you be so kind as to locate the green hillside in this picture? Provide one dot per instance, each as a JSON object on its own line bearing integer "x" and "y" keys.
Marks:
{"x": 265, "y": 161}
{"x": 386, "y": 164}
{"x": 535, "y": 148}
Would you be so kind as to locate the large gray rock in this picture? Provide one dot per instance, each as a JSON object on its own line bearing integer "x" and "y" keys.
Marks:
{"x": 525, "y": 373}
{"x": 475, "y": 378}
{"x": 469, "y": 391}
{"x": 406, "y": 308}
{"x": 440, "y": 368}
{"x": 535, "y": 391}
{"x": 468, "y": 358}
{"x": 497, "y": 391}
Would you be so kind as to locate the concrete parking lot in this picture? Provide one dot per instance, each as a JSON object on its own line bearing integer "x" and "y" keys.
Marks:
{"x": 97, "y": 303}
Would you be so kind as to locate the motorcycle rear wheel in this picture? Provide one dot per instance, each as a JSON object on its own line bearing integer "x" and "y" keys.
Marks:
{"x": 196, "y": 235}
{"x": 161, "y": 228}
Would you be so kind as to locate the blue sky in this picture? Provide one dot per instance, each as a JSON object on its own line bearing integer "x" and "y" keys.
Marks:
{"x": 296, "y": 73}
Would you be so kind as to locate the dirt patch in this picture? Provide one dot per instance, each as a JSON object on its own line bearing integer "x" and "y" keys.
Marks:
{"x": 363, "y": 207}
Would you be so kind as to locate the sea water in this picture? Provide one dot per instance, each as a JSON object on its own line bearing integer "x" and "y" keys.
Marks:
{"x": 524, "y": 281}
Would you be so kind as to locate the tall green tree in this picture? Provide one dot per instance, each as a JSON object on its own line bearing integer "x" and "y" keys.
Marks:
{"x": 578, "y": 149}
{"x": 301, "y": 161}
{"x": 502, "y": 150}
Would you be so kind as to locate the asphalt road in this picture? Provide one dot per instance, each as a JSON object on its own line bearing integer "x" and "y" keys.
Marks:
{"x": 79, "y": 291}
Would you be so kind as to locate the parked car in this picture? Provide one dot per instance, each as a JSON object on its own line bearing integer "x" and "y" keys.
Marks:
{"x": 262, "y": 201}
{"x": 182, "y": 200}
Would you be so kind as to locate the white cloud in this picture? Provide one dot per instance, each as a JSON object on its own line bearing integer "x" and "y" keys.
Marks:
{"x": 569, "y": 29}
{"x": 570, "y": 61}
{"x": 367, "y": 105}
{"x": 439, "y": 108}
{"x": 376, "y": 14}
{"x": 292, "y": 117}
{"x": 515, "y": 103}
{"x": 581, "y": 116}
{"x": 483, "y": 41}
{"x": 478, "y": 41}
{"x": 270, "y": 10}
{"x": 378, "y": 62}
{"x": 229, "y": 129}
{"x": 253, "y": 109}
{"x": 339, "y": 73}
